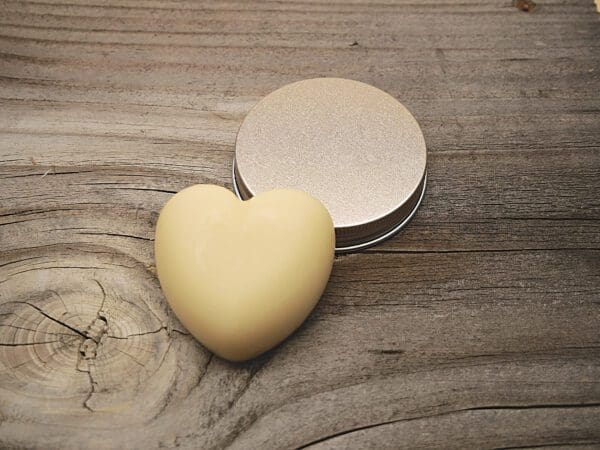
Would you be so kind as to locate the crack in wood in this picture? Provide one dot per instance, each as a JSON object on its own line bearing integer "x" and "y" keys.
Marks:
{"x": 91, "y": 392}
{"x": 51, "y": 168}
{"x": 183, "y": 333}
{"x": 103, "y": 297}
{"x": 54, "y": 319}
{"x": 90, "y": 233}
{"x": 20, "y": 260}
{"x": 88, "y": 349}
{"x": 445, "y": 413}
{"x": 137, "y": 334}
{"x": 21, "y": 344}
{"x": 390, "y": 351}
{"x": 164, "y": 191}
{"x": 383, "y": 251}
{"x": 582, "y": 442}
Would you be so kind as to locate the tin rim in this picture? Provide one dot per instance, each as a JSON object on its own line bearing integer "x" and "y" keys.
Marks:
{"x": 420, "y": 191}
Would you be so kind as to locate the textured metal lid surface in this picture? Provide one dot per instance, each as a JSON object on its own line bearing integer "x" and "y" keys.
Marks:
{"x": 352, "y": 146}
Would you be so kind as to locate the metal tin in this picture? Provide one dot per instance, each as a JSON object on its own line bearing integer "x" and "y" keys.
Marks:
{"x": 351, "y": 145}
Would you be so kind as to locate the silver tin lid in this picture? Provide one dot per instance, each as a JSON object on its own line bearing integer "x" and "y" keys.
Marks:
{"x": 352, "y": 146}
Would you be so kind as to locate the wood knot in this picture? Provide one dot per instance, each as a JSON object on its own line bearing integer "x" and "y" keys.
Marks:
{"x": 525, "y": 5}
{"x": 88, "y": 349}
{"x": 97, "y": 329}
{"x": 87, "y": 336}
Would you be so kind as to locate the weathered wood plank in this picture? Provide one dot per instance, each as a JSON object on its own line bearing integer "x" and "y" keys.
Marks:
{"x": 495, "y": 203}
{"x": 394, "y": 338}
{"x": 477, "y": 326}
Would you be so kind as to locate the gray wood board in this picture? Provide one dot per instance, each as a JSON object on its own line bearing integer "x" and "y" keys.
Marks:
{"x": 477, "y": 326}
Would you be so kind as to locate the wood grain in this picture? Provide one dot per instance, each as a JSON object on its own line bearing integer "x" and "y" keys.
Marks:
{"x": 476, "y": 327}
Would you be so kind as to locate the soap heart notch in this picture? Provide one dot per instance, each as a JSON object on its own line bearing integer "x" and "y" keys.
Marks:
{"x": 241, "y": 276}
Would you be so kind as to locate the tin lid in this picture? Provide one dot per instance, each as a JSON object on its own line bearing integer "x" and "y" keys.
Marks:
{"x": 352, "y": 146}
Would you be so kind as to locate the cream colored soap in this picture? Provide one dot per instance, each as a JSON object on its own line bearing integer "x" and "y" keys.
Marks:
{"x": 241, "y": 276}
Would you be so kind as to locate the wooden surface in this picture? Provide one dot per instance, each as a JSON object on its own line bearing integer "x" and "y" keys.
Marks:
{"x": 478, "y": 326}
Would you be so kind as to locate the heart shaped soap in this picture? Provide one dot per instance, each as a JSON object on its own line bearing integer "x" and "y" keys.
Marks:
{"x": 241, "y": 276}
